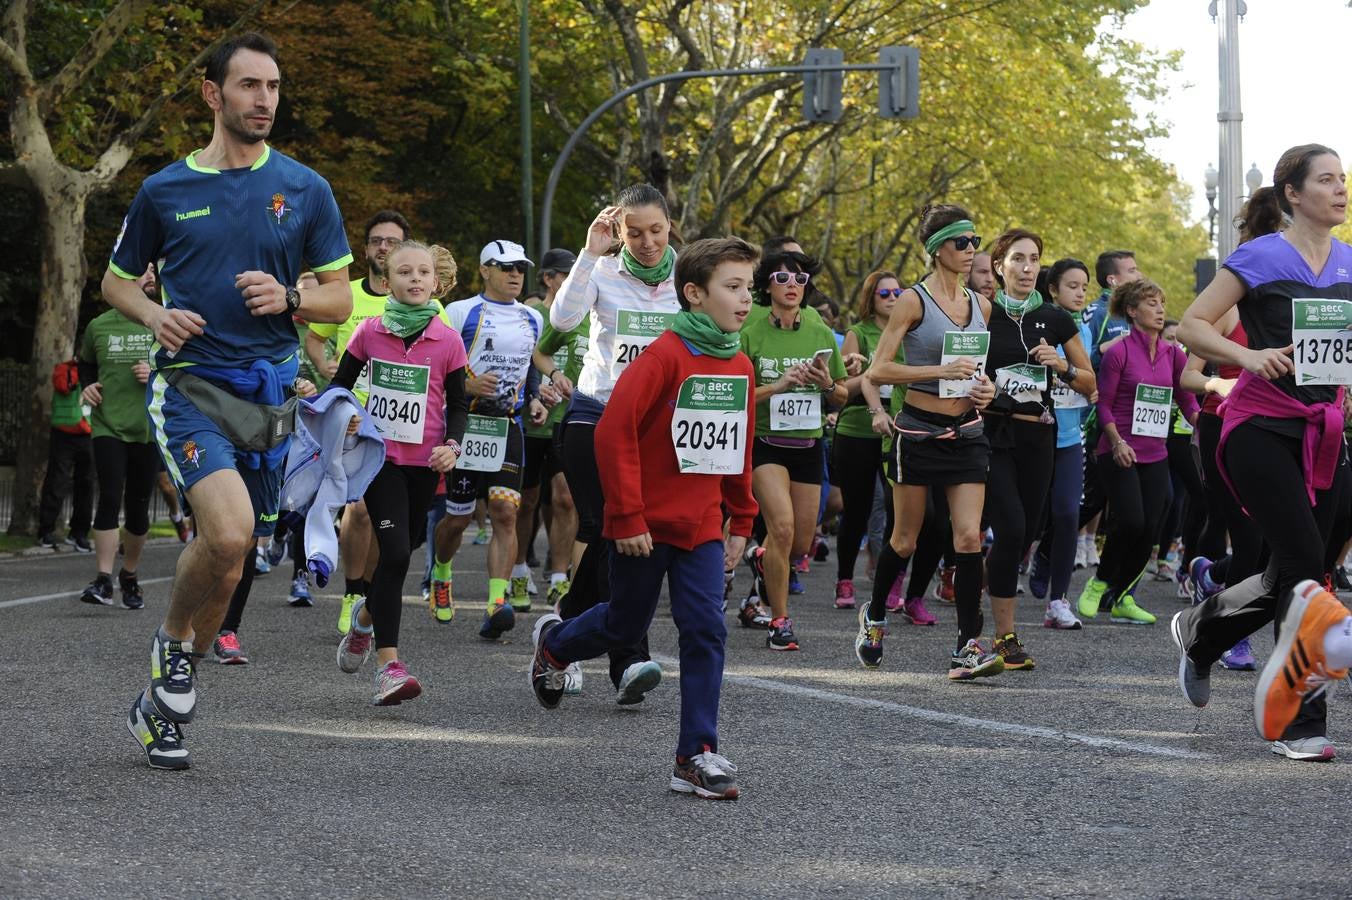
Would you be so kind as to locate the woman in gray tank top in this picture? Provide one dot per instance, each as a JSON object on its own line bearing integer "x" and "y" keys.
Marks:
{"x": 939, "y": 439}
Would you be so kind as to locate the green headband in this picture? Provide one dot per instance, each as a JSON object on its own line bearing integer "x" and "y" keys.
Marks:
{"x": 937, "y": 239}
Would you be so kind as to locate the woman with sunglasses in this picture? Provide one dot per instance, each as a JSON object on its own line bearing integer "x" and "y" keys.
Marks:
{"x": 1024, "y": 363}
{"x": 940, "y": 440}
{"x": 857, "y": 450}
{"x": 624, "y": 277}
{"x": 798, "y": 371}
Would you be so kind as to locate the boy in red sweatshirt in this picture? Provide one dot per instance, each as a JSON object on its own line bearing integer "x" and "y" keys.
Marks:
{"x": 674, "y": 453}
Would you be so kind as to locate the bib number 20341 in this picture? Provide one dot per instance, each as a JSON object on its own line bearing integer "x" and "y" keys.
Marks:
{"x": 397, "y": 401}
{"x": 708, "y": 427}
{"x": 485, "y": 444}
{"x": 1321, "y": 331}
{"x": 634, "y": 331}
{"x": 1150, "y": 413}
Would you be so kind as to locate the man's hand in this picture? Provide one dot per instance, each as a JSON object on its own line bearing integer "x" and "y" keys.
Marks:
{"x": 562, "y": 383}
{"x": 141, "y": 371}
{"x": 263, "y": 294}
{"x": 537, "y": 412}
{"x": 642, "y": 545}
{"x": 855, "y": 363}
{"x": 549, "y": 396}
{"x": 484, "y": 386}
{"x": 93, "y": 395}
{"x": 443, "y": 459}
{"x": 175, "y": 327}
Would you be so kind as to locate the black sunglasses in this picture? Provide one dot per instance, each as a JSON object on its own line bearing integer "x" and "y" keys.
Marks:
{"x": 786, "y": 277}
{"x": 889, "y": 292}
{"x": 519, "y": 267}
{"x": 962, "y": 242}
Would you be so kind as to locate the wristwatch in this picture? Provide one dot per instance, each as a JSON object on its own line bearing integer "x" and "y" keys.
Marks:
{"x": 1069, "y": 374}
{"x": 292, "y": 300}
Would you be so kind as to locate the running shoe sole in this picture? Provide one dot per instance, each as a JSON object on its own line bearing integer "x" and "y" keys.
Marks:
{"x": 96, "y": 599}
{"x": 1176, "y": 631}
{"x": 1282, "y": 748}
{"x": 649, "y": 677}
{"x": 681, "y": 786}
{"x": 140, "y": 732}
{"x": 985, "y": 670}
{"x": 497, "y": 623}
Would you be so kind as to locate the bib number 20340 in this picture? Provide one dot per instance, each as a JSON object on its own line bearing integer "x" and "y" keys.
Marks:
{"x": 1150, "y": 413}
{"x": 485, "y": 444}
{"x": 708, "y": 427}
{"x": 397, "y": 401}
{"x": 634, "y": 331}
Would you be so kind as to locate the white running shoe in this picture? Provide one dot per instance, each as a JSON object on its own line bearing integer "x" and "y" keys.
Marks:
{"x": 572, "y": 679}
{"x": 1080, "y": 555}
{"x": 1059, "y": 616}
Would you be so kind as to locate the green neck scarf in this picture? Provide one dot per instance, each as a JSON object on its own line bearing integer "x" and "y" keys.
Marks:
{"x": 702, "y": 331}
{"x": 1018, "y": 307}
{"x": 403, "y": 320}
{"x": 1077, "y": 315}
{"x": 649, "y": 275}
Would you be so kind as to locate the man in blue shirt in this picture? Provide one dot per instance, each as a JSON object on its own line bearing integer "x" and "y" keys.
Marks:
{"x": 1114, "y": 267}
{"x": 232, "y": 227}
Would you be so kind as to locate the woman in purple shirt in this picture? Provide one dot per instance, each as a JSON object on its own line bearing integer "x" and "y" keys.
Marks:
{"x": 1281, "y": 450}
{"x": 1138, "y": 380}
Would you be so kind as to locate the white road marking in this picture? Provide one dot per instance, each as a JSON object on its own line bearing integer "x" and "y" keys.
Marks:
{"x": 24, "y": 601}
{"x": 954, "y": 719}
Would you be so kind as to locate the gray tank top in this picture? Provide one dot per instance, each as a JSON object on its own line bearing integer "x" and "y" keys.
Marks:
{"x": 924, "y": 343}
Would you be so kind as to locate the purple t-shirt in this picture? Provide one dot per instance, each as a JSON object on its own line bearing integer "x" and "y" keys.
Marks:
{"x": 1127, "y": 364}
{"x": 1273, "y": 273}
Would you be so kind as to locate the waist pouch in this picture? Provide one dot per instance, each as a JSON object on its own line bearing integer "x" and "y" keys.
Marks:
{"x": 789, "y": 442}
{"x": 257, "y": 427}
{"x": 916, "y": 425}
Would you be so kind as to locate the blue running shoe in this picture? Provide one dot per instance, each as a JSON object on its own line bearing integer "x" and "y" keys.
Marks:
{"x": 499, "y": 619}
{"x": 276, "y": 550}
{"x": 1239, "y": 658}
{"x": 300, "y": 590}
{"x": 1199, "y": 573}
{"x": 1039, "y": 575}
{"x": 795, "y": 586}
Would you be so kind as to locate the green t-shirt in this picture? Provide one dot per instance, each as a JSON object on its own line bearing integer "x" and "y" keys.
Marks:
{"x": 854, "y": 420}
{"x": 774, "y": 350}
{"x": 115, "y": 343}
{"x": 567, "y": 348}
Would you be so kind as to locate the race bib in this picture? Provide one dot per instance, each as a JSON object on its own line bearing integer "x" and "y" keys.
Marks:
{"x": 796, "y": 412}
{"x": 1066, "y": 397}
{"x": 634, "y": 331}
{"x": 957, "y": 344}
{"x": 1150, "y": 413}
{"x": 1322, "y": 333}
{"x": 485, "y": 445}
{"x": 708, "y": 428}
{"x": 1025, "y": 383}
{"x": 397, "y": 400}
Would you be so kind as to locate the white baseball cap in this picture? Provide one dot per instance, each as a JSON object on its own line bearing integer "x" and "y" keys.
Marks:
{"x": 503, "y": 251}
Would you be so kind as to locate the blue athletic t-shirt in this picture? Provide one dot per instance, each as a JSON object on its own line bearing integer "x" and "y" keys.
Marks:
{"x": 205, "y": 226}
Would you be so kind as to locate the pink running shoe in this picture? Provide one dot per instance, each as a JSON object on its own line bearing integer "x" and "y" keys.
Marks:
{"x": 394, "y": 685}
{"x": 845, "y": 594}
{"x": 894, "y": 598}
{"x": 916, "y": 613}
{"x": 802, "y": 565}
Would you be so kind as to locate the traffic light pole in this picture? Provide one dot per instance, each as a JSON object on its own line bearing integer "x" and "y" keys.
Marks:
{"x": 547, "y": 204}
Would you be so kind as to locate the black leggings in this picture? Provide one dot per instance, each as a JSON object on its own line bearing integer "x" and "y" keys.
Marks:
{"x": 397, "y": 501}
{"x": 126, "y": 474}
{"x": 1017, "y": 488}
{"x": 1224, "y": 515}
{"x": 934, "y": 543}
{"x": 1265, "y": 468}
{"x": 240, "y": 598}
{"x": 1138, "y": 495}
{"x": 590, "y": 583}
{"x": 857, "y": 466}
{"x": 1187, "y": 514}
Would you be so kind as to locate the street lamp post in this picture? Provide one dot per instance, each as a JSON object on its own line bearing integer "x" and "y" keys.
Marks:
{"x": 1212, "y": 181}
{"x": 1226, "y": 14}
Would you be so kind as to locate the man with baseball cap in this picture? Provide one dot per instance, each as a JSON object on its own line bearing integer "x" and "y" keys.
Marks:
{"x": 500, "y": 334}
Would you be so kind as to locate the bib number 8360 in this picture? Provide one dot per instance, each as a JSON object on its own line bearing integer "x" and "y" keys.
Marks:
{"x": 487, "y": 451}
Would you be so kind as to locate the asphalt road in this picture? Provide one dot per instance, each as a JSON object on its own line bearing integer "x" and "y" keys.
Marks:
{"x": 1087, "y": 776}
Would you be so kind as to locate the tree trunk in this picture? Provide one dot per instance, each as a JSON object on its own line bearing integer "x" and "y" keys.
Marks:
{"x": 62, "y": 197}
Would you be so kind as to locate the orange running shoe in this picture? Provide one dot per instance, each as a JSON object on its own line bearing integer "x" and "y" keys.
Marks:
{"x": 1296, "y": 666}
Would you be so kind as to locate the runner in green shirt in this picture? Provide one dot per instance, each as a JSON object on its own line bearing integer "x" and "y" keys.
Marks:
{"x": 114, "y": 367}
{"x": 798, "y": 371}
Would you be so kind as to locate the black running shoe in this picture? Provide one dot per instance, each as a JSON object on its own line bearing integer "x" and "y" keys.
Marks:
{"x": 752, "y": 614}
{"x": 1013, "y": 652}
{"x": 161, "y": 739}
{"x": 99, "y": 592}
{"x": 171, "y": 678}
{"x": 781, "y": 636}
{"x": 546, "y": 682}
{"x": 131, "y": 590}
